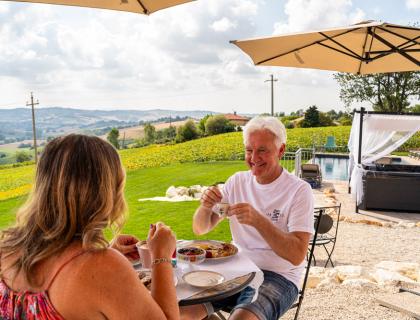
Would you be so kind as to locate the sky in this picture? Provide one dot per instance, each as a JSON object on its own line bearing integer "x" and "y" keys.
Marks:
{"x": 179, "y": 58}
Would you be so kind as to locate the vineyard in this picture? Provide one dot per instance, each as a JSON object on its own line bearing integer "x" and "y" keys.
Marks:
{"x": 16, "y": 181}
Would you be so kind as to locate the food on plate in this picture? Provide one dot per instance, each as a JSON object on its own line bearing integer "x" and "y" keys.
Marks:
{"x": 191, "y": 254}
{"x": 146, "y": 278}
{"x": 217, "y": 250}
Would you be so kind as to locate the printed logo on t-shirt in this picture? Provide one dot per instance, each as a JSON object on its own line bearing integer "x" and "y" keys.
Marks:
{"x": 275, "y": 215}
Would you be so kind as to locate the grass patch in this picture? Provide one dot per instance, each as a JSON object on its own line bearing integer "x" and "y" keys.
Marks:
{"x": 150, "y": 182}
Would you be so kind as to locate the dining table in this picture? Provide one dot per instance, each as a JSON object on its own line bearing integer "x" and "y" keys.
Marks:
{"x": 238, "y": 271}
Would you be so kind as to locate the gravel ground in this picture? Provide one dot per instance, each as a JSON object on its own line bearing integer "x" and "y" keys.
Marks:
{"x": 363, "y": 245}
{"x": 367, "y": 245}
{"x": 340, "y": 302}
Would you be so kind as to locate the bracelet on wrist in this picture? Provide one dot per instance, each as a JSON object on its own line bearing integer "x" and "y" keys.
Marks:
{"x": 160, "y": 260}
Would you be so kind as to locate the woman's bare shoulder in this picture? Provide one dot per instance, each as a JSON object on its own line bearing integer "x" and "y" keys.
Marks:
{"x": 93, "y": 281}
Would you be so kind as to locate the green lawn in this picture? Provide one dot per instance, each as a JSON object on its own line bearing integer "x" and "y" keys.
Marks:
{"x": 150, "y": 182}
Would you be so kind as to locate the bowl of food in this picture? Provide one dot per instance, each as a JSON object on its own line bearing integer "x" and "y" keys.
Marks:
{"x": 191, "y": 255}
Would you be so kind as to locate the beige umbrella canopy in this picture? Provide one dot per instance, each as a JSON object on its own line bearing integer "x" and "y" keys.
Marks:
{"x": 137, "y": 6}
{"x": 363, "y": 48}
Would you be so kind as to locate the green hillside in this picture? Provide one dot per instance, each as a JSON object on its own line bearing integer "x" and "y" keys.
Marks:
{"x": 16, "y": 181}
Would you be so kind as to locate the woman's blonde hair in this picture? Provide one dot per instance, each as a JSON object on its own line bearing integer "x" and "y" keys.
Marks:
{"x": 78, "y": 192}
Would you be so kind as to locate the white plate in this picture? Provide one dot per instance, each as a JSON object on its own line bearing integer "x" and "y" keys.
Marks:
{"x": 192, "y": 243}
{"x": 203, "y": 278}
{"x": 149, "y": 273}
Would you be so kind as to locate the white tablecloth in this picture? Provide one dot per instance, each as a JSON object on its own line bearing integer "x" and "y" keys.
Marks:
{"x": 230, "y": 268}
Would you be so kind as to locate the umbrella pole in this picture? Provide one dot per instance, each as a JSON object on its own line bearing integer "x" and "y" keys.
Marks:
{"x": 359, "y": 155}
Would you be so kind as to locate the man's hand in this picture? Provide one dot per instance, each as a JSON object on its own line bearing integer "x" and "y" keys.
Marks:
{"x": 245, "y": 214}
{"x": 210, "y": 197}
{"x": 126, "y": 244}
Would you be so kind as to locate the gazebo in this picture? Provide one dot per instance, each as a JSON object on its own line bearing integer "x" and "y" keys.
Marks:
{"x": 386, "y": 185}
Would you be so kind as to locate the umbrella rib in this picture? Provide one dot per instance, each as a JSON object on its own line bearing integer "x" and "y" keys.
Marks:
{"x": 400, "y": 35}
{"x": 339, "y": 44}
{"x": 355, "y": 56}
{"x": 303, "y": 47}
{"x": 145, "y": 11}
{"x": 401, "y": 52}
{"x": 363, "y": 52}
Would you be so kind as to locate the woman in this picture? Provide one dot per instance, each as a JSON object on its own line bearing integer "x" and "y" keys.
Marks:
{"x": 55, "y": 262}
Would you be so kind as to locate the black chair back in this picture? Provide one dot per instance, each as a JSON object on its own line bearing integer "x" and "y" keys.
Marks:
{"x": 318, "y": 215}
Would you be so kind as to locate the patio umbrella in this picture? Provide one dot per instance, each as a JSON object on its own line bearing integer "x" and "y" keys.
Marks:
{"x": 136, "y": 6}
{"x": 363, "y": 48}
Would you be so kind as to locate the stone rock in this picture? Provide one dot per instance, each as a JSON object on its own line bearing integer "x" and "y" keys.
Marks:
{"x": 182, "y": 191}
{"x": 348, "y": 272}
{"x": 370, "y": 222}
{"x": 407, "y": 269}
{"x": 314, "y": 281}
{"x": 387, "y": 277}
{"x": 171, "y": 192}
{"x": 194, "y": 189}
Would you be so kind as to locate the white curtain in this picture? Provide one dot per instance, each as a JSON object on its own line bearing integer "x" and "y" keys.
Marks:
{"x": 381, "y": 134}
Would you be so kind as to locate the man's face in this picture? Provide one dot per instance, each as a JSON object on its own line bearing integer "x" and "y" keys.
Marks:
{"x": 262, "y": 156}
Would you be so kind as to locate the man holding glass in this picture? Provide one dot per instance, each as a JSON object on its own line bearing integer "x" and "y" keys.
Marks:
{"x": 271, "y": 220}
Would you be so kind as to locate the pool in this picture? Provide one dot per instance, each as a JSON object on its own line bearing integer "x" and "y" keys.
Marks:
{"x": 333, "y": 167}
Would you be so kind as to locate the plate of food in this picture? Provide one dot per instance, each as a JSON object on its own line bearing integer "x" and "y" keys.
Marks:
{"x": 203, "y": 278}
{"x": 145, "y": 276}
{"x": 215, "y": 250}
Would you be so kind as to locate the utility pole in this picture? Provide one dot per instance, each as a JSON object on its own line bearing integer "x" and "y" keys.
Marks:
{"x": 32, "y": 104}
{"x": 123, "y": 142}
{"x": 272, "y": 92}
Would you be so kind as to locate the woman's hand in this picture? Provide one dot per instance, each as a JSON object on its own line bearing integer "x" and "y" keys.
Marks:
{"x": 126, "y": 244}
{"x": 161, "y": 241}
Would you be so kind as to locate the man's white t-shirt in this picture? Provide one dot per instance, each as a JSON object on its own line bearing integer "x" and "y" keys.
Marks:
{"x": 287, "y": 201}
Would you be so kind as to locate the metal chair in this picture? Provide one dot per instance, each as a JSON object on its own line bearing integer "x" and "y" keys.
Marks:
{"x": 311, "y": 173}
{"x": 327, "y": 233}
{"x": 318, "y": 215}
{"x": 330, "y": 144}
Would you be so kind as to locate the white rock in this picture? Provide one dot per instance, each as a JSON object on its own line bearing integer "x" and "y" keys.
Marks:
{"x": 197, "y": 195}
{"x": 171, "y": 192}
{"x": 348, "y": 272}
{"x": 313, "y": 281}
{"x": 182, "y": 191}
{"x": 407, "y": 269}
{"x": 387, "y": 277}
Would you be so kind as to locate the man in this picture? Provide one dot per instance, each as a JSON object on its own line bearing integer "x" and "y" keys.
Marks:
{"x": 271, "y": 221}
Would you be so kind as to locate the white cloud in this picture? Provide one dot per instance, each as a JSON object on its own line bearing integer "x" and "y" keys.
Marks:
{"x": 223, "y": 25}
{"x": 305, "y": 15}
{"x": 412, "y": 4}
{"x": 179, "y": 58}
{"x": 245, "y": 8}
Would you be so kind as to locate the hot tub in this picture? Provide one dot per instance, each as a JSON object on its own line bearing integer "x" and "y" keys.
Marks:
{"x": 392, "y": 187}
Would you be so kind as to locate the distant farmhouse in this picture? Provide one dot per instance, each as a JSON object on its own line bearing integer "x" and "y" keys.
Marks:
{"x": 237, "y": 120}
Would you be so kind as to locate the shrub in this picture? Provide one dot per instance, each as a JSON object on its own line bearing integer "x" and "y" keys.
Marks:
{"x": 113, "y": 137}
{"x": 218, "y": 124}
{"x": 187, "y": 132}
{"x": 22, "y": 156}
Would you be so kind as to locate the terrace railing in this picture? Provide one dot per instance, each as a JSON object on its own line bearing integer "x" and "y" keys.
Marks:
{"x": 291, "y": 161}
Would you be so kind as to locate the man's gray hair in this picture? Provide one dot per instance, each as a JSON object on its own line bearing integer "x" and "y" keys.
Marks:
{"x": 272, "y": 124}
